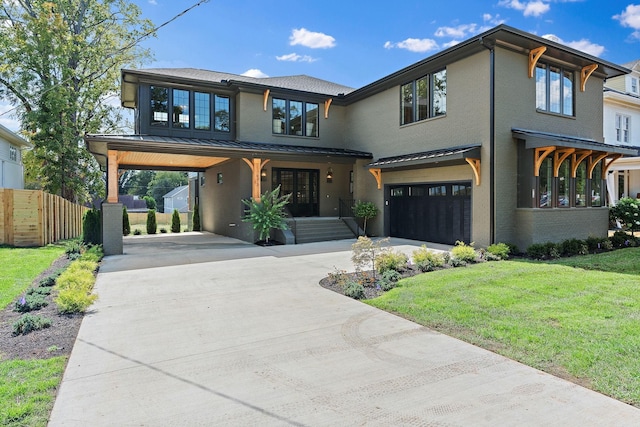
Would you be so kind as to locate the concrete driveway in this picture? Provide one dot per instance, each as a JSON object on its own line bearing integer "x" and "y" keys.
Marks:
{"x": 203, "y": 330}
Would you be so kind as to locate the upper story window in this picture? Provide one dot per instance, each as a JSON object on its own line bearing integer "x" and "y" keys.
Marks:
{"x": 554, "y": 89}
{"x": 623, "y": 125}
{"x": 13, "y": 153}
{"x": 295, "y": 117}
{"x": 424, "y": 98}
{"x": 189, "y": 109}
{"x": 633, "y": 85}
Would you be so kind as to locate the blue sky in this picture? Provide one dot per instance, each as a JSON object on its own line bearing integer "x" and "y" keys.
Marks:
{"x": 355, "y": 43}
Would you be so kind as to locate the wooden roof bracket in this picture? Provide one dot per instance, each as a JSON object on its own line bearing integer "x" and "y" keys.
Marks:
{"x": 593, "y": 162}
{"x": 607, "y": 165}
{"x": 541, "y": 153}
{"x": 560, "y": 156}
{"x": 256, "y": 166}
{"x": 327, "y": 104}
{"x": 475, "y": 165}
{"x": 578, "y": 157}
{"x": 534, "y": 57}
{"x": 585, "y": 73}
{"x": 377, "y": 174}
{"x": 265, "y": 99}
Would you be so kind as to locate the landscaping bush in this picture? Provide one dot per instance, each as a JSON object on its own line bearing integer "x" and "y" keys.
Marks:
{"x": 163, "y": 230}
{"x": 137, "y": 232}
{"x": 427, "y": 260}
{"x": 621, "y": 239}
{"x": 627, "y": 211}
{"x": 91, "y": 227}
{"x": 196, "y": 217}
{"x": 463, "y": 252}
{"x": 573, "y": 247}
{"x": 126, "y": 226}
{"x": 354, "y": 290}
{"x": 457, "y": 262}
{"x": 389, "y": 279}
{"x": 547, "y": 250}
{"x": 268, "y": 213}
{"x": 152, "y": 225}
{"x": 499, "y": 250}
{"x": 175, "y": 221}
{"x": 598, "y": 244}
{"x": 92, "y": 253}
{"x": 364, "y": 252}
{"x": 39, "y": 290}
{"x": 30, "y": 302}
{"x": 73, "y": 249}
{"x": 28, "y": 322}
{"x": 50, "y": 280}
{"x": 391, "y": 260}
{"x": 74, "y": 287}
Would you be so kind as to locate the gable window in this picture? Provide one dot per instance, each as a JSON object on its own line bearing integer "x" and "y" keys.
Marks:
{"x": 13, "y": 153}
{"x": 554, "y": 89}
{"x": 633, "y": 85}
{"x": 159, "y": 106}
{"x": 623, "y": 124}
{"x": 295, "y": 117}
{"x": 424, "y": 98}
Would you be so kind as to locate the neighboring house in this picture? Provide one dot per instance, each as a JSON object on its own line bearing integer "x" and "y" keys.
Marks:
{"x": 11, "y": 168}
{"x": 178, "y": 198}
{"x": 496, "y": 139}
{"x": 622, "y": 127}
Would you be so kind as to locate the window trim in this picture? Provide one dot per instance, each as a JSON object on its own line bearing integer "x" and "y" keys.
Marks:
{"x": 620, "y": 130}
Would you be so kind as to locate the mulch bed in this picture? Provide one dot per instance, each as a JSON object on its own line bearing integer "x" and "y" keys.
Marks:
{"x": 370, "y": 289}
{"x": 56, "y": 340}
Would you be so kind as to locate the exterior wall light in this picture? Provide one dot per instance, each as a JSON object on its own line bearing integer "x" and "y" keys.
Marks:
{"x": 330, "y": 175}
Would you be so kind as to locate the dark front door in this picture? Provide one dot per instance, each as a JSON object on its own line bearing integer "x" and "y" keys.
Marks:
{"x": 302, "y": 184}
{"x": 439, "y": 213}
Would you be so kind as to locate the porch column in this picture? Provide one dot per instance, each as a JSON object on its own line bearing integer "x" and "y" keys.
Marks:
{"x": 256, "y": 166}
{"x": 112, "y": 176}
{"x": 112, "y": 210}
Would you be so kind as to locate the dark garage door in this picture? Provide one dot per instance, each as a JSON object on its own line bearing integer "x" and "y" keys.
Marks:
{"x": 439, "y": 213}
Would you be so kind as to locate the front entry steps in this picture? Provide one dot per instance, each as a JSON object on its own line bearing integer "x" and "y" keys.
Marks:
{"x": 320, "y": 229}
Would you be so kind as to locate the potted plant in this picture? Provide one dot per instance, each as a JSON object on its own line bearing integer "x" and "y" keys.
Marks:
{"x": 365, "y": 210}
{"x": 267, "y": 214}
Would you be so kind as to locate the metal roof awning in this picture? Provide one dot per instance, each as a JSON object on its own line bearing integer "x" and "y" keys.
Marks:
{"x": 536, "y": 139}
{"x": 429, "y": 158}
{"x": 146, "y": 151}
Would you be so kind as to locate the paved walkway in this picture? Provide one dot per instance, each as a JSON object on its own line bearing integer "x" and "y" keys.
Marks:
{"x": 204, "y": 330}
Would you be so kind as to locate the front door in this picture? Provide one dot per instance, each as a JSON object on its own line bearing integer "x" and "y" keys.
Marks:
{"x": 302, "y": 184}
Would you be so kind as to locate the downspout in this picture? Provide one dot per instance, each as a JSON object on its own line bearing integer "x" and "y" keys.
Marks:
{"x": 492, "y": 137}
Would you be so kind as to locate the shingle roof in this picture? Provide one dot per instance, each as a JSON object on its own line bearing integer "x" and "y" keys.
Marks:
{"x": 299, "y": 82}
{"x": 175, "y": 191}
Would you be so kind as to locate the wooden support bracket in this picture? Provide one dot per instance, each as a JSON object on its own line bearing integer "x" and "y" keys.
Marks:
{"x": 578, "y": 157}
{"x": 559, "y": 156}
{"x": 534, "y": 56}
{"x": 327, "y": 104}
{"x": 541, "y": 153}
{"x": 256, "y": 166}
{"x": 265, "y": 99}
{"x": 607, "y": 165}
{"x": 377, "y": 174}
{"x": 112, "y": 171}
{"x": 585, "y": 73}
{"x": 594, "y": 159}
{"x": 475, "y": 165}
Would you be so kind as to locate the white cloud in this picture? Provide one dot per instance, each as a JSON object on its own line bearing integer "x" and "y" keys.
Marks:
{"x": 528, "y": 8}
{"x": 311, "y": 39}
{"x": 414, "y": 45}
{"x": 451, "y": 43}
{"x": 460, "y": 31}
{"x": 582, "y": 45}
{"x": 294, "y": 57}
{"x": 153, "y": 2}
{"x": 254, "y": 72}
{"x": 493, "y": 19}
{"x": 630, "y": 18}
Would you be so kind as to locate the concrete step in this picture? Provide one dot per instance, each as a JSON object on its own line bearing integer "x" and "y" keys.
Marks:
{"x": 322, "y": 229}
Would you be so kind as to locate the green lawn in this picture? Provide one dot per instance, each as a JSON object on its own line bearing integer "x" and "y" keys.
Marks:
{"x": 27, "y": 387}
{"x": 572, "y": 322}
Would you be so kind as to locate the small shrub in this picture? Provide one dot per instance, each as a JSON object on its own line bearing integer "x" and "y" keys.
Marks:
{"x": 339, "y": 277}
{"x": 137, "y": 232}
{"x": 126, "y": 226}
{"x": 463, "y": 252}
{"x": 196, "y": 217}
{"x": 30, "y": 302}
{"x": 74, "y": 287}
{"x": 573, "y": 247}
{"x": 163, "y": 230}
{"x": 391, "y": 260}
{"x": 39, "y": 290}
{"x": 499, "y": 250}
{"x": 427, "y": 260}
{"x": 93, "y": 253}
{"x": 152, "y": 225}
{"x": 364, "y": 252}
{"x": 28, "y": 322}
{"x": 621, "y": 239}
{"x": 92, "y": 227}
{"x": 627, "y": 211}
{"x": 354, "y": 290}
{"x": 457, "y": 262}
{"x": 175, "y": 221}
{"x": 513, "y": 249}
{"x": 552, "y": 250}
{"x": 73, "y": 249}
{"x": 50, "y": 280}
{"x": 389, "y": 279}
{"x": 537, "y": 251}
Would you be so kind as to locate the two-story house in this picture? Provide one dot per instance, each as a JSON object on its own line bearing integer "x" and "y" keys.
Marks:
{"x": 496, "y": 139}
{"x": 622, "y": 127}
{"x": 11, "y": 168}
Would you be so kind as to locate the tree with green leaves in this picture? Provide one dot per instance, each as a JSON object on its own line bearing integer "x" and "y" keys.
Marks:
{"x": 268, "y": 213}
{"x": 126, "y": 225}
{"x": 60, "y": 68}
{"x": 175, "y": 221}
{"x": 162, "y": 183}
{"x": 196, "y": 217}
{"x": 365, "y": 210}
{"x": 152, "y": 224}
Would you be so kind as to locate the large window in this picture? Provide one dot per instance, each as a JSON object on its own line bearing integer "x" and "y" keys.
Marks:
{"x": 623, "y": 124}
{"x": 189, "y": 110}
{"x": 159, "y": 106}
{"x": 202, "y": 107}
{"x": 295, "y": 117}
{"x": 222, "y": 113}
{"x": 554, "y": 89}
{"x": 181, "y": 108}
{"x": 423, "y": 98}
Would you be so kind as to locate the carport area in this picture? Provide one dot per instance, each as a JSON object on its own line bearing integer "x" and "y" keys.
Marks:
{"x": 198, "y": 329}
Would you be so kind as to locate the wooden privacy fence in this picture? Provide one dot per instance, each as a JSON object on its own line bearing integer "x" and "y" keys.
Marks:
{"x": 36, "y": 218}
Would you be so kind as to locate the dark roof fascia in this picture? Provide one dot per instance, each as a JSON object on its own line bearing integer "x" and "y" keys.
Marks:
{"x": 289, "y": 93}
{"x": 513, "y": 39}
{"x": 446, "y": 156}
{"x": 536, "y": 139}
{"x": 99, "y": 144}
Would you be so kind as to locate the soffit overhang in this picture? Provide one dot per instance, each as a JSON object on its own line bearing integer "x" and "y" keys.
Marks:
{"x": 434, "y": 158}
{"x": 536, "y": 139}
